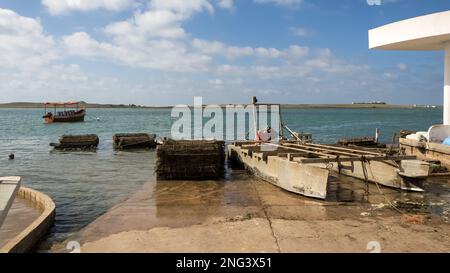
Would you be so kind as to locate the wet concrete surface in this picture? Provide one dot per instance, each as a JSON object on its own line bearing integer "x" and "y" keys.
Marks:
{"x": 244, "y": 214}
{"x": 20, "y": 216}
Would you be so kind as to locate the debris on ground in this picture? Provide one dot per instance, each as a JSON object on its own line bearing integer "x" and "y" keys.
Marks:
{"x": 410, "y": 205}
{"x": 414, "y": 219}
{"x": 379, "y": 206}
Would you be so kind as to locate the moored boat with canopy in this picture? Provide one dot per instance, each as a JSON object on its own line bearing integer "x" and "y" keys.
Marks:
{"x": 66, "y": 115}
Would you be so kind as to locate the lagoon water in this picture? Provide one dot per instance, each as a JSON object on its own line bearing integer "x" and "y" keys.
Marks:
{"x": 84, "y": 185}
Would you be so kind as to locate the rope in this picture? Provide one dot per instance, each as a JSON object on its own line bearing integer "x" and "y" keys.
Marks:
{"x": 339, "y": 165}
{"x": 388, "y": 201}
{"x": 329, "y": 166}
{"x": 366, "y": 175}
{"x": 366, "y": 178}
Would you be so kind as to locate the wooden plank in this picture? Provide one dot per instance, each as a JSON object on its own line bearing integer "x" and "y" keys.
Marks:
{"x": 270, "y": 153}
{"x": 303, "y": 150}
{"x": 344, "y": 149}
{"x": 412, "y": 143}
{"x": 333, "y": 152}
{"x": 291, "y": 156}
{"x": 354, "y": 159}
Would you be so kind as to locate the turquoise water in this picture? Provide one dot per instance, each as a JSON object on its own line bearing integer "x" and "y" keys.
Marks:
{"x": 329, "y": 125}
{"x": 86, "y": 184}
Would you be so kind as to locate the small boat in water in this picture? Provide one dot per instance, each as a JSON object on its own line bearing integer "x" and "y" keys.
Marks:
{"x": 66, "y": 115}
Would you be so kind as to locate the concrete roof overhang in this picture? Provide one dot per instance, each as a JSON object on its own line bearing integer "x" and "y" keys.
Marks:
{"x": 429, "y": 32}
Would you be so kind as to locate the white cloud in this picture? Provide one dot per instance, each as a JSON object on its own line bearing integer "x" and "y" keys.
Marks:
{"x": 184, "y": 7}
{"x": 216, "y": 83}
{"x": 300, "y": 31}
{"x": 402, "y": 66}
{"x": 23, "y": 43}
{"x": 390, "y": 76}
{"x": 153, "y": 23}
{"x": 57, "y": 7}
{"x": 233, "y": 52}
{"x": 218, "y": 48}
{"x": 152, "y": 39}
{"x": 153, "y": 54}
{"x": 31, "y": 67}
{"x": 59, "y": 82}
{"x": 34, "y": 64}
{"x": 225, "y": 4}
{"x": 286, "y": 3}
{"x": 82, "y": 44}
{"x": 295, "y": 51}
{"x": 268, "y": 52}
{"x": 318, "y": 64}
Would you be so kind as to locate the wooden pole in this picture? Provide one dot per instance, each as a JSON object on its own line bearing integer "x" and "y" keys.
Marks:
{"x": 254, "y": 101}
{"x": 292, "y": 133}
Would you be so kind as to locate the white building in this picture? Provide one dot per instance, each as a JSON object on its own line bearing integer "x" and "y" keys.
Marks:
{"x": 429, "y": 32}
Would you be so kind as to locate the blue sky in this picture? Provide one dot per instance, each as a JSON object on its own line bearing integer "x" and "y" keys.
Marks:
{"x": 163, "y": 52}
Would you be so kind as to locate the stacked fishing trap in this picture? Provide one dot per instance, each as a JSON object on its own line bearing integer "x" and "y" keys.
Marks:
{"x": 134, "y": 141}
{"x": 190, "y": 160}
{"x": 77, "y": 142}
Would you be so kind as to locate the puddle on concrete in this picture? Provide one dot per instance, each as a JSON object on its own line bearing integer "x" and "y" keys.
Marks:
{"x": 181, "y": 203}
{"x": 434, "y": 201}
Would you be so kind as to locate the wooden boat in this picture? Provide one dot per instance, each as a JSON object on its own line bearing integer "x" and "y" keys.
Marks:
{"x": 306, "y": 168}
{"x": 66, "y": 115}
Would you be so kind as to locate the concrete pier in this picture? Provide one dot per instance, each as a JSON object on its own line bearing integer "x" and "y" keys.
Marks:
{"x": 244, "y": 214}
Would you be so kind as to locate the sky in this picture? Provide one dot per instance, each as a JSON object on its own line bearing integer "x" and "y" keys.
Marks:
{"x": 165, "y": 52}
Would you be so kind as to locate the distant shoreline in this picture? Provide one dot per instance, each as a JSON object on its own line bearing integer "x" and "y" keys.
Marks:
{"x": 28, "y": 105}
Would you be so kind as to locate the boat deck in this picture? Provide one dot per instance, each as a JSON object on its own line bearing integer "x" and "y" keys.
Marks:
{"x": 320, "y": 153}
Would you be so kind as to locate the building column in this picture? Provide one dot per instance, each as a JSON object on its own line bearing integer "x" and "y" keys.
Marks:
{"x": 447, "y": 85}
